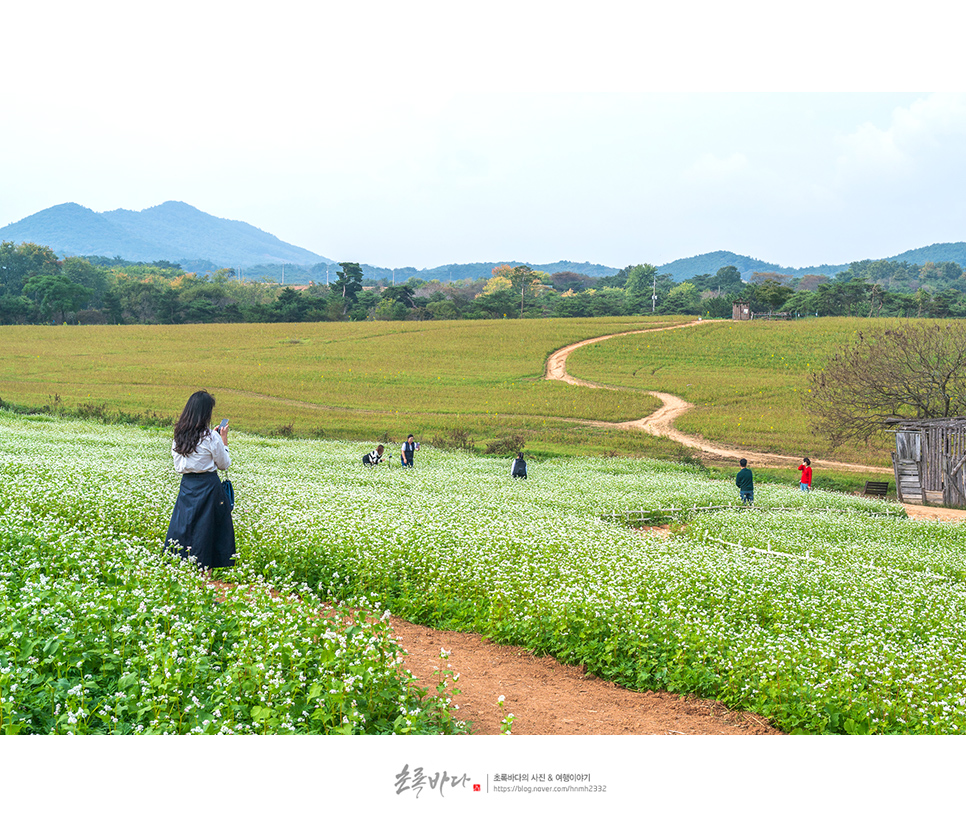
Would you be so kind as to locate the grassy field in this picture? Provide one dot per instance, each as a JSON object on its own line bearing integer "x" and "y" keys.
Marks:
{"x": 748, "y": 380}
{"x": 368, "y": 380}
{"x": 381, "y": 380}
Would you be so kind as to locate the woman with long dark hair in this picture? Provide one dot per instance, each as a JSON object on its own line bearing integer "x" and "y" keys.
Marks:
{"x": 201, "y": 527}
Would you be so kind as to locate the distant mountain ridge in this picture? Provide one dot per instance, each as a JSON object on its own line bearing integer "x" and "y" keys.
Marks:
{"x": 709, "y": 263}
{"x": 457, "y": 272}
{"x": 172, "y": 231}
{"x": 177, "y": 232}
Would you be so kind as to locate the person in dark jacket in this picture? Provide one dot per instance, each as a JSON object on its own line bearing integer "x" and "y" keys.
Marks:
{"x": 408, "y": 451}
{"x": 745, "y": 481}
{"x": 518, "y": 469}
{"x": 201, "y": 527}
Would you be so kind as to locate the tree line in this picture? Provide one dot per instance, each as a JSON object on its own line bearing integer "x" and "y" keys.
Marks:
{"x": 36, "y": 287}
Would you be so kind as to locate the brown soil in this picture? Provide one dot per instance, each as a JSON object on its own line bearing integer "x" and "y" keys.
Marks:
{"x": 548, "y": 698}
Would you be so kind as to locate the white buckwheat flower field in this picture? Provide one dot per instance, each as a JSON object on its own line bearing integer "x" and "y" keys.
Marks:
{"x": 826, "y": 613}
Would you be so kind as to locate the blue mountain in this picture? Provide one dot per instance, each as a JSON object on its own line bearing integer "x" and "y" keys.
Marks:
{"x": 172, "y": 231}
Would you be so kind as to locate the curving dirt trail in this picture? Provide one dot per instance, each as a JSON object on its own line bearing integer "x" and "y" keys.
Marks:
{"x": 661, "y": 424}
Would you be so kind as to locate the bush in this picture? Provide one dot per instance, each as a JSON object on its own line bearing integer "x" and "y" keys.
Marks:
{"x": 457, "y": 439}
{"x": 506, "y": 445}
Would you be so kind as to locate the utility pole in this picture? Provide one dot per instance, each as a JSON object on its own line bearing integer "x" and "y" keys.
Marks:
{"x": 654, "y": 294}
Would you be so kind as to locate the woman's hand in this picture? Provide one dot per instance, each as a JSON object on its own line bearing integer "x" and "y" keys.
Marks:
{"x": 223, "y": 433}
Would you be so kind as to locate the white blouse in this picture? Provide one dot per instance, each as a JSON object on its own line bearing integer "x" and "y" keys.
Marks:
{"x": 210, "y": 455}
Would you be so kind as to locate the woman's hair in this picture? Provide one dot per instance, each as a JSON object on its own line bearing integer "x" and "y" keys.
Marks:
{"x": 380, "y": 448}
{"x": 193, "y": 422}
{"x": 807, "y": 461}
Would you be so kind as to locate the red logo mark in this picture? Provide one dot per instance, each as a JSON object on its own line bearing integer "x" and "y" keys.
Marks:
{"x": 476, "y": 787}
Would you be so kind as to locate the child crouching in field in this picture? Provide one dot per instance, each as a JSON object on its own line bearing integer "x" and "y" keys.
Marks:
{"x": 745, "y": 481}
{"x": 374, "y": 457}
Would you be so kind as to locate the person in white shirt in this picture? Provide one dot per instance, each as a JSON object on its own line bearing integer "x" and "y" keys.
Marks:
{"x": 201, "y": 527}
{"x": 409, "y": 449}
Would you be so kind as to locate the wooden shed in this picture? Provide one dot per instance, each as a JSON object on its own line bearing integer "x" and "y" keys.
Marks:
{"x": 741, "y": 311}
{"x": 930, "y": 461}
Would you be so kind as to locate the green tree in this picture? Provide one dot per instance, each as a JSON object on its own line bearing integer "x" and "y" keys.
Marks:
{"x": 343, "y": 292}
{"x": 643, "y": 281}
{"x": 83, "y": 272}
{"x": 56, "y": 295}
{"x": 770, "y": 295}
{"x": 290, "y": 305}
{"x": 19, "y": 262}
{"x": 640, "y": 284}
{"x": 684, "y": 299}
{"x": 941, "y": 275}
{"x": 728, "y": 279}
{"x": 389, "y": 310}
{"x": 494, "y": 305}
{"x": 607, "y": 301}
{"x": 348, "y": 284}
{"x": 444, "y": 309}
{"x": 149, "y": 301}
{"x": 403, "y": 294}
{"x": 801, "y": 303}
{"x": 17, "y": 309}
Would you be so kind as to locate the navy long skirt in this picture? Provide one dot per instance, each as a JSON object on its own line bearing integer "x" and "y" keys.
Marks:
{"x": 201, "y": 525}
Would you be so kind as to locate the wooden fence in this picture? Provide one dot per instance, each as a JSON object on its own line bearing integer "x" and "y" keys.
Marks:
{"x": 663, "y": 515}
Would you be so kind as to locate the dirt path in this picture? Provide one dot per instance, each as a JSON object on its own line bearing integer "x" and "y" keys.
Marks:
{"x": 661, "y": 422}
{"x": 548, "y": 698}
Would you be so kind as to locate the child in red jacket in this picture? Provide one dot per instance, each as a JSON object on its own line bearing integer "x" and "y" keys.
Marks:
{"x": 806, "y": 470}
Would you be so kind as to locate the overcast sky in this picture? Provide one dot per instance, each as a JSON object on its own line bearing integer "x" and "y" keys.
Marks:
{"x": 415, "y": 135}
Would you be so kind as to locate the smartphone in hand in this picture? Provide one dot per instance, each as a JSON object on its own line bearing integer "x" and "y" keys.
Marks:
{"x": 223, "y": 424}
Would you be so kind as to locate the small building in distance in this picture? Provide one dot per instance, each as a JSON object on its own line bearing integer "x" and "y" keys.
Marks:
{"x": 741, "y": 311}
{"x": 930, "y": 461}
